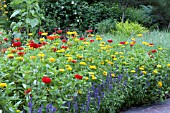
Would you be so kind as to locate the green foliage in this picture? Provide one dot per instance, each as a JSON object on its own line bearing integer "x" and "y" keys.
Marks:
{"x": 27, "y": 14}
{"x": 129, "y": 28}
{"x": 77, "y": 14}
{"x": 106, "y": 26}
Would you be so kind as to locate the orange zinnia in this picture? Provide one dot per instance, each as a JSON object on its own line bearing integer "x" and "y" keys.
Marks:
{"x": 51, "y": 37}
{"x": 18, "y": 39}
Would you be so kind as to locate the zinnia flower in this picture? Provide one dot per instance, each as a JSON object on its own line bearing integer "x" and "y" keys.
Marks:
{"x": 77, "y": 76}
{"x": 21, "y": 53}
{"x": 160, "y": 84}
{"x": 59, "y": 31}
{"x": 154, "y": 51}
{"x": 159, "y": 66}
{"x": 139, "y": 35}
{"x": 92, "y": 67}
{"x": 91, "y": 40}
{"x": 132, "y": 71}
{"x": 105, "y": 73}
{"x": 16, "y": 44}
{"x": 5, "y": 39}
{"x": 10, "y": 56}
{"x": 168, "y": 65}
{"x": 64, "y": 40}
{"x": 2, "y": 85}
{"x": 74, "y": 61}
{"x": 83, "y": 63}
{"x": 155, "y": 71}
{"x": 110, "y": 40}
{"x": 46, "y": 80}
{"x": 51, "y": 59}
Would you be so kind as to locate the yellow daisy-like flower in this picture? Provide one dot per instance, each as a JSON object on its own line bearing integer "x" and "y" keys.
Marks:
{"x": 98, "y": 38}
{"x": 70, "y": 58}
{"x": 5, "y": 5}
{"x": 86, "y": 43}
{"x": 44, "y": 34}
{"x": 92, "y": 67}
{"x": 10, "y": 55}
{"x": 144, "y": 43}
{"x": 141, "y": 68}
{"x": 155, "y": 71}
{"x": 3, "y": 85}
{"x": 67, "y": 66}
{"x": 20, "y": 58}
{"x": 30, "y": 34}
{"x": 42, "y": 39}
{"x": 108, "y": 51}
{"x": 32, "y": 57}
{"x": 144, "y": 72}
{"x": 41, "y": 55}
{"x": 52, "y": 59}
{"x": 160, "y": 84}
{"x": 103, "y": 48}
{"x": 18, "y": 111}
{"x": 126, "y": 42}
{"x": 124, "y": 63}
{"x": 83, "y": 63}
{"x": 61, "y": 70}
{"x": 132, "y": 71}
{"x": 70, "y": 68}
{"x": 105, "y": 73}
{"x": 168, "y": 65}
{"x": 140, "y": 35}
{"x": 113, "y": 75}
{"x": 81, "y": 47}
{"x": 115, "y": 59}
{"x": 93, "y": 77}
{"x": 109, "y": 62}
{"x": 86, "y": 78}
{"x": 159, "y": 66}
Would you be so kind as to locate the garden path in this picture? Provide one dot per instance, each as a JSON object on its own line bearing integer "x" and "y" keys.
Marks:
{"x": 161, "y": 107}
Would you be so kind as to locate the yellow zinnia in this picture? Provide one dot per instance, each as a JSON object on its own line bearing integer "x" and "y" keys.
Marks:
{"x": 61, "y": 70}
{"x": 83, "y": 63}
{"x": 92, "y": 67}
{"x": 52, "y": 59}
{"x": 160, "y": 84}
{"x": 105, "y": 73}
{"x": 159, "y": 66}
{"x": 32, "y": 57}
{"x": 155, "y": 71}
{"x": 3, "y": 85}
{"x": 132, "y": 71}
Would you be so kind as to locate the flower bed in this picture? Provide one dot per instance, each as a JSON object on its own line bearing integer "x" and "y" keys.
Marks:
{"x": 57, "y": 71}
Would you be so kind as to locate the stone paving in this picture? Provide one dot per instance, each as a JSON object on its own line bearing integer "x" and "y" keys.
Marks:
{"x": 163, "y": 107}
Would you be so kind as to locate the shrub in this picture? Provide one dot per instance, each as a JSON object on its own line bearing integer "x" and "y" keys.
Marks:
{"x": 129, "y": 28}
{"x": 106, "y": 26}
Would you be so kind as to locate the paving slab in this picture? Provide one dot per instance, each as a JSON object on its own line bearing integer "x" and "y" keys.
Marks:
{"x": 160, "y": 107}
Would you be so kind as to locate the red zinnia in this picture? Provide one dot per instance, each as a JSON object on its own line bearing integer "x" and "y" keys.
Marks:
{"x": 5, "y": 39}
{"x": 64, "y": 47}
{"x": 122, "y": 42}
{"x": 46, "y": 80}
{"x": 91, "y": 40}
{"x": 74, "y": 61}
{"x": 40, "y": 32}
{"x": 20, "y": 48}
{"x": 110, "y": 40}
{"x": 59, "y": 31}
{"x": 16, "y": 44}
{"x": 77, "y": 76}
{"x": 89, "y": 31}
{"x": 82, "y": 38}
{"x": 55, "y": 49}
{"x": 21, "y": 53}
{"x": 64, "y": 40}
{"x": 154, "y": 51}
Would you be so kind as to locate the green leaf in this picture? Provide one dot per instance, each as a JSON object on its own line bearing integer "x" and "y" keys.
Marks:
{"x": 32, "y": 22}
{"x": 16, "y": 12}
